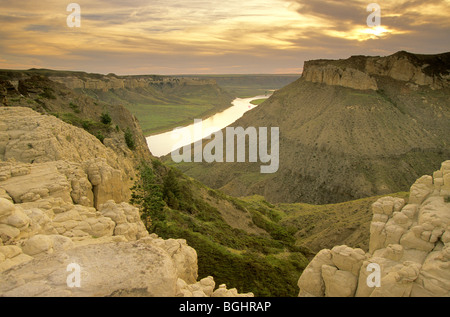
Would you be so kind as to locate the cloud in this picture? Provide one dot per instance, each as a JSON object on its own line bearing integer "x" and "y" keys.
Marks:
{"x": 176, "y": 36}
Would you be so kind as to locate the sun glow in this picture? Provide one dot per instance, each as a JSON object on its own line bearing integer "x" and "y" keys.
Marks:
{"x": 377, "y": 31}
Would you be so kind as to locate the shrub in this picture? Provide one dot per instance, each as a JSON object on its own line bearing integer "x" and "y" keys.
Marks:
{"x": 47, "y": 93}
{"x": 129, "y": 139}
{"x": 74, "y": 107}
{"x": 85, "y": 125}
{"x": 100, "y": 136}
{"x": 105, "y": 118}
{"x": 147, "y": 194}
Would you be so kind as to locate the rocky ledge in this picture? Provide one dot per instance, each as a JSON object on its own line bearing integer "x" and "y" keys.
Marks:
{"x": 410, "y": 243}
{"x": 361, "y": 72}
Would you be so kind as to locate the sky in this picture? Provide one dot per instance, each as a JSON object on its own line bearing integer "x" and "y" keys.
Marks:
{"x": 170, "y": 37}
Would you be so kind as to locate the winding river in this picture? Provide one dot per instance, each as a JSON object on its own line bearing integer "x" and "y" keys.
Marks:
{"x": 164, "y": 143}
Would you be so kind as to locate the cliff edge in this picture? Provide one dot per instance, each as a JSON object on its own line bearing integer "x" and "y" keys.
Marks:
{"x": 362, "y": 72}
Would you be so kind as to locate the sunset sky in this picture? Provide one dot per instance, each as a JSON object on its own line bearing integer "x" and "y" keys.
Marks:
{"x": 212, "y": 37}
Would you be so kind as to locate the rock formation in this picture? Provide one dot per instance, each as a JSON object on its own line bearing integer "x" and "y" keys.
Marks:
{"x": 358, "y": 72}
{"x": 410, "y": 242}
{"x": 63, "y": 202}
{"x": 105, "y": 83}
{"x": 42, "y": 156}
{"x": 332, "y": 75}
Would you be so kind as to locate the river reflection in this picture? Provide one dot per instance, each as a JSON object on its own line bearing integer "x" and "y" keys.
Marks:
{"x": 163, "y": 143}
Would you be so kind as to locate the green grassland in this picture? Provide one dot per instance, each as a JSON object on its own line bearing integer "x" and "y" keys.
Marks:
{"x": 257, "y": 102}
{"x": 181, "y": 105}
{"x": 157, "y": 118}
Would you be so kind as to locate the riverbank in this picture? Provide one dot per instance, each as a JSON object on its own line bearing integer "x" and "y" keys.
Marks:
{"x": 164, "y": 143}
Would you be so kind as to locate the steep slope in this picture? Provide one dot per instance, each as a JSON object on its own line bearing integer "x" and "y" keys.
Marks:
{"x": 349, "y": 129}
{"x": 113, "y": 125}
{"x": 160, "y": 102}
{"x": 244, "y": 86}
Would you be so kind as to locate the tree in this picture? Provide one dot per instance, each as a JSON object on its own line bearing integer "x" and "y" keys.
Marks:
{"x": 147, "y": 194}
{"x": 129, "y": 139}
{"x": 171, "y": 190}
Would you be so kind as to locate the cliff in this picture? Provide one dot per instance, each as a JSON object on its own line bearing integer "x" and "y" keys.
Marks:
{"x": 362, "y": 73}
{"x": 105, "y": 83}
{"x": 409, "y": 241}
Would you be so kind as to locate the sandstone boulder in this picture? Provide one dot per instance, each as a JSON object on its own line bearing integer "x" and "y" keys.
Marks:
{"x": 408, "y": 242}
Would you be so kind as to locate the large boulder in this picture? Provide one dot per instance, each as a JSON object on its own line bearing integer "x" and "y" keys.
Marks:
{"x": 114, "y": 269}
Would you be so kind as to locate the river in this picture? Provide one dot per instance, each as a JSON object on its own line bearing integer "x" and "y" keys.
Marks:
{"x": 163, "y": 143}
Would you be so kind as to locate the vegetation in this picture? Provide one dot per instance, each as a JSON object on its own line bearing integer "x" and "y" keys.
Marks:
{"x": 129, "y": 139}
{"x": 174, "y": 206}
{"x": 105, "y": 118}
{"x": 100, "y": 136}
{"x": 257, "y": 102}
{"x": 47, "y": 93}
{"x": 147, "y": 194}
{"x": 266, "y": 261}
{"x": 74, "y": 107}
{"x": 244, "y": 86}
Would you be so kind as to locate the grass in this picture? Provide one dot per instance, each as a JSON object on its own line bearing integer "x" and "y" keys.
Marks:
{"x": 180, "y": 106}
{"x": 324, "y": 226}
{"x": 163, "y": 117}
{"x": 257, "y": 102}
{"x": 247, "y": 92}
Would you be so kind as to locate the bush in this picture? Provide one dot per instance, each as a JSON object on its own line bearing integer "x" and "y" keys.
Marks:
{"x": 100, "y": 136}
{"x": 105, "y": 118}
{"x": 74, "y": 107}
{"x": 129, "y": 139}
{"x": 47, "y": 93}
{"x": 147, "y": 194}
{"x": 85, "y": 125}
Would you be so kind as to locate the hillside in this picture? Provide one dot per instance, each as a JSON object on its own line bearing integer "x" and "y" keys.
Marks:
{"x": 113, "y": 125}
{"x": 349, "y": 129}
{"x": 244, "y": 86}
{"x": 159, "y": 102}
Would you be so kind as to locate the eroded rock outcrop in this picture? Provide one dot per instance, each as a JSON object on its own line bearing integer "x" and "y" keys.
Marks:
{"x": 115, "y": 253}
{"x": 42, "y": 156}
{"x": 409, "y": 242}
{"x": 360, "y": 72}
{"x": 108, "y": 82}
{"x": 345, "y": 77}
